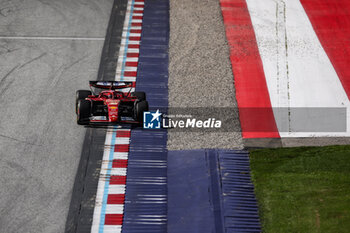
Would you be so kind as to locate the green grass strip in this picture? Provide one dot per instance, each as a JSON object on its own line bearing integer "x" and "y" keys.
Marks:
{"x": 305, "y": 189}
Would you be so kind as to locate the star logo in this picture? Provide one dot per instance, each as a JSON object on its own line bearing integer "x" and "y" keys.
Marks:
{"x": 156, "y": 115}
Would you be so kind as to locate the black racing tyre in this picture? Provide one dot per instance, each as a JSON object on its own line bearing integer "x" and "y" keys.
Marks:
{"x": 81, "y": 95}
{"x": 139, "y": 108}
{"x": 140, "y": 95}
{"x": 84, "y": 112}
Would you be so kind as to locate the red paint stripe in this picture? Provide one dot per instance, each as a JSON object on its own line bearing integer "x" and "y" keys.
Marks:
{"x": 115, "y": 199}
{"x": 114, "y": 219}
{"x": 132, "y": 55}
{"x": 130, "y": 73}
{"x": 137, "y": 17}
{"x": 135, "y": 30}
{"x": 135, "y": 38}
{"x": 138, "y": 5}
{"x": 117, "y": 180}
{"x": 139, "y": 0}
{"x": 133, "y": 46}
{"x": 120, "y": 163}
{"x": 124, "y": 134}
{"x": 256, "y": 115}
{"x": 138, "y": 12}
{"x": 331, "y": 22}
{"x": 121, "y": 148}
{"x": 136, "y": 24}
{"x": 130, "y": 63}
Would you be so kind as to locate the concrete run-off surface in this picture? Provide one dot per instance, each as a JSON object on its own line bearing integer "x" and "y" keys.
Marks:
{"x": 200, "y": 72}
{"x": 48, "y": 50}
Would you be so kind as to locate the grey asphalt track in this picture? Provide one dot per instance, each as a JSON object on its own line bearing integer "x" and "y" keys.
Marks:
{"x": 200, "y": 72}
{"x": 53, "y": 48}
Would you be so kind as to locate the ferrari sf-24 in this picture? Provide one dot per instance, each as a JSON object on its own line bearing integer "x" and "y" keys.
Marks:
{"x": 110, "y": 102}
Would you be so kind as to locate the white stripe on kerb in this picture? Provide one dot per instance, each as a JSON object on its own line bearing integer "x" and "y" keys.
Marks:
{"x": 122, "y": 140}
{"x": 118, "y": 171}
{"x": 114, "y": 208}
{"x": 136, "y": 20}
{"x": 116, "y": 189}
{"x": 132, "y": 59}
{"x": 112, "y": 172}
{"x": 132, "y": 42}
{"x": 130, "y": 68}
{"x": 129, "y": 79}
{"x": 112, "y": 229}
{"x": 130, "y": 34}
{"x": 133, "y": 50}
{"x": 121, "y": 155}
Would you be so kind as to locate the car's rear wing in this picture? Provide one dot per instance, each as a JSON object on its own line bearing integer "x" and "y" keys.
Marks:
{"x": 110, "y": 84}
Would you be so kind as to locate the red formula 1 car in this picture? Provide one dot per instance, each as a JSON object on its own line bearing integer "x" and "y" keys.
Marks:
{"x": 106, "y": 103}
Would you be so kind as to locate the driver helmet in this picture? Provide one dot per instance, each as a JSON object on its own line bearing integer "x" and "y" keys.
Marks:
{"x": 108, "y": 95}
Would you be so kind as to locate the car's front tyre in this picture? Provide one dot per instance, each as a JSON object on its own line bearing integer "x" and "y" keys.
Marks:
{"x": 81, "y": 95}
{"x": 83, "y": 112}
{"x": 139, "y": 109}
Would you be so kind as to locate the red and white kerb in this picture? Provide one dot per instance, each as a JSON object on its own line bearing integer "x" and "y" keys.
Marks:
{"x": 109, "y": 204}
{"x": 289, "y": 55}
{"x": 130, "y": 44}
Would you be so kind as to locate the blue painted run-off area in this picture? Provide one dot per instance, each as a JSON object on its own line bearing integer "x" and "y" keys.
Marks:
{"x": 152, "y": 74}
{"x": 146, "y": 185}
{"x": 211, "y": 191}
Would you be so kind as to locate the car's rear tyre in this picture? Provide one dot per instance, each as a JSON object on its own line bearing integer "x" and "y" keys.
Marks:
{"x": 140, "y": 95}
{"x": 139, "y": 109}
{"x": 81, "y": 95}
{"x": 83, "y": 112}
